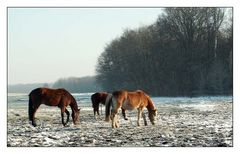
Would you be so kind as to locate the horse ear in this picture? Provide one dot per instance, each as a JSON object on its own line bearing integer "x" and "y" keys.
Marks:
{"x": 79, "y": 109}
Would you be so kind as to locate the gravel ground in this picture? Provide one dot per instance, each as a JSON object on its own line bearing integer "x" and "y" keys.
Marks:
{"x": 179, "y": 125}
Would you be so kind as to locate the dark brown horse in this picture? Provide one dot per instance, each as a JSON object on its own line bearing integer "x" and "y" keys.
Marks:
{"x": 102, "y": 97}
{"x": 129, "y": 101}
{"x": 52, "y": 97}
{"x": 98, "y": 98}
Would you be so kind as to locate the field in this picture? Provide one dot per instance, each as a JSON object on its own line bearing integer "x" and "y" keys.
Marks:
{"x": 178, "y": 125}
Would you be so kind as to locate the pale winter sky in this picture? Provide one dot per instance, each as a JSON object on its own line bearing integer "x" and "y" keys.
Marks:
{"x": 45, "y": 44}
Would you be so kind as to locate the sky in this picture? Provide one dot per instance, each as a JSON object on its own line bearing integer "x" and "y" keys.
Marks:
{"x": 45, "y": 44}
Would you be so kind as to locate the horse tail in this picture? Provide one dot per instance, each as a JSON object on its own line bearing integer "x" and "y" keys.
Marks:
{"x": 108, "y": 103}
{"x": 30, "y": 108}
{"x": 93, "y": 100}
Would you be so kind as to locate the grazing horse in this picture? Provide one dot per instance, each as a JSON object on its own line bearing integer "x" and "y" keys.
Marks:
{"x": 129, "y": 101}
{"x": 102, "y": 97}
{"x": 97, "y": 98}
{"x": 52, "y": 97}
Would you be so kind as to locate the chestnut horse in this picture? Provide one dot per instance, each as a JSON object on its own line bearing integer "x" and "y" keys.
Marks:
{"x": 102, "y": 97}
{"x": 129, "y": 101}
{"x": 52, "y": 97}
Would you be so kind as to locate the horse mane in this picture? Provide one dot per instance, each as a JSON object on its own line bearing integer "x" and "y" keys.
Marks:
{"x": 73, "y": 103}
{"x": 150, "y": 103}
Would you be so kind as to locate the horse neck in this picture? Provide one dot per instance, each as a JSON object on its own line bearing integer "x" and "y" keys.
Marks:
{"x": 73, "y": 105}
{"x": 150, "y": 105}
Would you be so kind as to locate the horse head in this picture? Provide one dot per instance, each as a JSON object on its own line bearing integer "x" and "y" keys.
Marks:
{"x": 75, "y": 116}
{"x": 152, "y": 114}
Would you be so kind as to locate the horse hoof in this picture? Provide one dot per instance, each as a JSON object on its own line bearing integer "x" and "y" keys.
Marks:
{"x": 34, "y": 124}
{"x": 107, "y": 120}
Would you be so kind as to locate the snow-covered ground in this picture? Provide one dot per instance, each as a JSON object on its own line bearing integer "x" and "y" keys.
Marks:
{"x": 202, "y": 121}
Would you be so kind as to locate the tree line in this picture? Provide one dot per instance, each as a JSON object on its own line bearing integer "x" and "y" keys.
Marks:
{"x": 78, "y": 85}
{"x": 72, "y": 84}
{"x": 185, "y": 52}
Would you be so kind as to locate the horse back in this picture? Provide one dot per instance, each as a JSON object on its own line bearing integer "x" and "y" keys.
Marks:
{"x": 120, "y": 99}
{"x": 51, "y": 97}
{"x": 131, "y": 100}
{"x": 120, "y": 95}
{"x": 138, "y": 99}
{"x": 99, "y": 97}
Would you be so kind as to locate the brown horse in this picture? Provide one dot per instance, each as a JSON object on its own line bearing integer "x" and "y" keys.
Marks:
{"x": 102, "y": 97}
{"x": 97, "y": 98}
{"x": 129, "y": 101}
{"x": 52, "y": 97}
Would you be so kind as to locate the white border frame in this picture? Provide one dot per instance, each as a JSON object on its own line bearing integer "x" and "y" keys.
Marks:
{"x": 111, "y": 3}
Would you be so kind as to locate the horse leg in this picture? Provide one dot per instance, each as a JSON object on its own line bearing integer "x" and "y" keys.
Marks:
{"x": 94, "y": 111}
{"x": 144, "y": 118}
{"x": 124, "y": 114}
{"x": 62, "y": 115}
{"x": 114, "y": 118}
{"x": 114, "y": 113}
{"x": 101, "y": 109}
{"x": 117, "y": 121}
{"x": 139, "y": 116}
{"x": 68, "y": 114}
{"x": 98, "y": 110}
{"x": 33, "y": 115}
